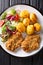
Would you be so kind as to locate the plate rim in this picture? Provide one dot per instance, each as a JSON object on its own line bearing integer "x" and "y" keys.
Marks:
{"x": 20, "y": 56}
{"x": 22, "y": 4}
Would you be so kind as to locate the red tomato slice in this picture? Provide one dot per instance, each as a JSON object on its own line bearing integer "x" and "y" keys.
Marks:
{"x": 17, "y": 17}
{"x": 1, "y": 23}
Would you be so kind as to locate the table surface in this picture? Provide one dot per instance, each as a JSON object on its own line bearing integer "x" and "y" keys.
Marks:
{"x": 7, "y": 59}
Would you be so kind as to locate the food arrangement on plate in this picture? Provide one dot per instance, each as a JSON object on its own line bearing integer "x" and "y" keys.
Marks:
{"x": 13, "y": 24}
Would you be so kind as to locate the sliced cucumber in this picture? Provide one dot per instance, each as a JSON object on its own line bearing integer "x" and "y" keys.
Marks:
{"x": 12, "y": 12}
{"x": 3, "y": 28}
{"x": 3, "y": 15}
{"x": 12, "y": 27}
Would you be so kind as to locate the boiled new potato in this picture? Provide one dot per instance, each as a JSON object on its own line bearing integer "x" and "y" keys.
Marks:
{"x": 26, "y": 21}
{"x": 37, "y": 27}
{"x": 33, "y": 17}
{"x": 24, "y": 14}
{"x": 20, "y": 27}
{"x": 30, "y": 29}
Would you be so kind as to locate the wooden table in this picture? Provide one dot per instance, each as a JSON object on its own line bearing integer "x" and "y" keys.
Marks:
{"x": 7, "y": 59}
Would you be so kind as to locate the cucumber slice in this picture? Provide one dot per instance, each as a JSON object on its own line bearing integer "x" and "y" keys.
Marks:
{"x": 12, "y": 12}
{"x": 3, "y": 28}
{"x": 3, "y": 15}
{"x": 12, "y": 27}
{"x": 7, "y": 23}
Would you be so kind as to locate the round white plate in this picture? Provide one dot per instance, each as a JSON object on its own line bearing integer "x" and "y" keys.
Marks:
{"x": 20, "y": 52}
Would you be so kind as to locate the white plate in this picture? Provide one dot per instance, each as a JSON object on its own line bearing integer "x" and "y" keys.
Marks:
{"x": 20, "y": 52}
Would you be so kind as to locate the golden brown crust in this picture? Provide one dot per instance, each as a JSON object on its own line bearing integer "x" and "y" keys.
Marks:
{"x": 31, "y": 43}
{"x": 14, "y": 41}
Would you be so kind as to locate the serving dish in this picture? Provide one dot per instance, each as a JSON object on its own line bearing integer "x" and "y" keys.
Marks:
{"x": 21, "y": 53}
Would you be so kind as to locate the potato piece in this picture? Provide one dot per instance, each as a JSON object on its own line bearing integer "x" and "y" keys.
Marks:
{"x": 30, "y": 29}
{"x": 20, "y": 27}
{"x": 24, "y": 14}
{"x": 37, "y": 27}
{"x": 33, "y": 17}
{"x": 26, "y": 21}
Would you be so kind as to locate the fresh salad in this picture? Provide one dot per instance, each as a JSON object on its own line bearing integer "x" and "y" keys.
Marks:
{"x": 8, "y": 23}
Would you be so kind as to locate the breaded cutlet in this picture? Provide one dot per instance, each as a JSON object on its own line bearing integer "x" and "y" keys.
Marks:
{"x": 14, "y": 41}
{"x": 31, "y": 43}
